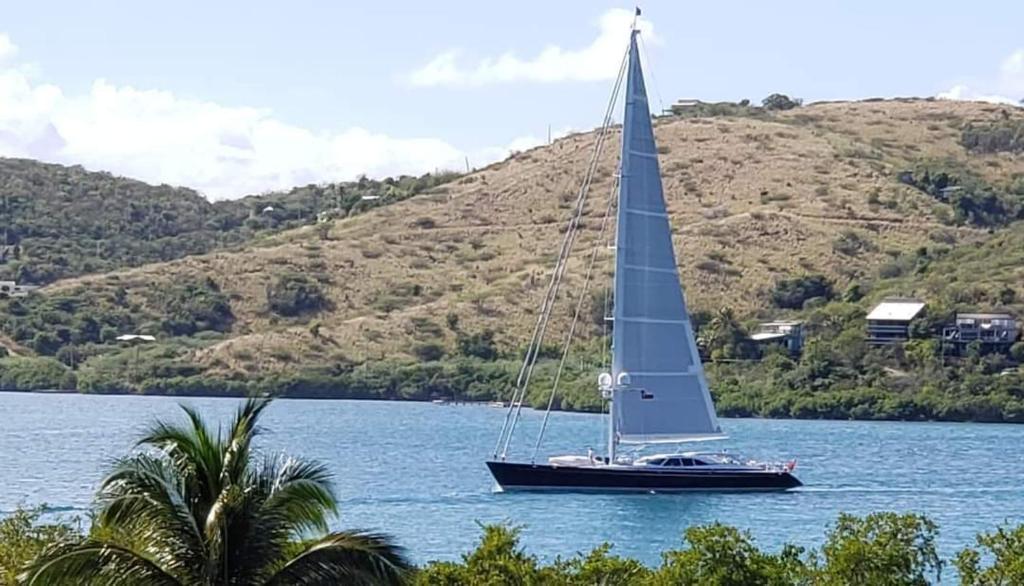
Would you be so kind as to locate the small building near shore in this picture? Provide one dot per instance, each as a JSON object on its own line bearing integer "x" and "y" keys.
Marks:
{"x": 10, "y": 289}
{"x": 996, "y": 331}
{"x": 787, "y": 334}
{"x": 889, "y": 322}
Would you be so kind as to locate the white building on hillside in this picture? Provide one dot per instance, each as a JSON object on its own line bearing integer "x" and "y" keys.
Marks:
{"x": 11, "y": 289}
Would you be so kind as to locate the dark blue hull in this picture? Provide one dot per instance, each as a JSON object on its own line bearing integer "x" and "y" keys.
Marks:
{"x": 511, "y": 476}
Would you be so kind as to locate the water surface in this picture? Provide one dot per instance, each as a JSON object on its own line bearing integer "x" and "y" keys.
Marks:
{"x": 416, "y": 470}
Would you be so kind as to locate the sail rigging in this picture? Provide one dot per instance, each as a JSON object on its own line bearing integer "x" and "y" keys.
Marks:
{"x": 657, "y": 388}
{"x": 515, "y": 407}
{"x": 659, "y": 391}
{"x": 654, "y": 387}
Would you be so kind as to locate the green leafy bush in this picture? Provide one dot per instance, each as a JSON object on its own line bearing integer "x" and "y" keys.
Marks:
{"x": 194, "y": 307}
{"x": 852, "y": 243}
{"x": 429, "y": 352}
{"x": 478, "y": 345}
{"x": 34, "y": 374}
{"x": 883, "y": 548}
{"x": 294, "y": 294}
{"x": 781, "y": 102}
{"x": 1006, "y": 136}
{"x": 792, "y": 293}
{"x": 24, "y": 535}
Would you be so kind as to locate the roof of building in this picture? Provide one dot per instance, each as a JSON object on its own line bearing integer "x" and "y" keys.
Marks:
{"x": 984, "y": 316}
{"x": 133, "y": 337}
{"x": 761, "y": 336}
{"x": 896, "y": 310}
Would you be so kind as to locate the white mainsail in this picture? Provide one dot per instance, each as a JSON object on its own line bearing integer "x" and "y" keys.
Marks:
{"x": 659, "y": 392}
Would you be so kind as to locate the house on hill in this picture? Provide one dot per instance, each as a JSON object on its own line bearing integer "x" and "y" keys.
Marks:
{"x": 11, "y": 289}
{"x": 684, "y": 105}
{"x": 889, "y": 322}
{"x": 995, "y": 331}
{"x": 787, "y": 334}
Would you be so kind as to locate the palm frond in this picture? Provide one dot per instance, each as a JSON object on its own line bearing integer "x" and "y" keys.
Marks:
{"x": 144, "y": 499}
{"x": 243, "y": 429}
{"x": 300, "y": 495}
{"x": 351, "y": 557}
{"x": 191, "y": 449}
{"x": 95, "y": 563}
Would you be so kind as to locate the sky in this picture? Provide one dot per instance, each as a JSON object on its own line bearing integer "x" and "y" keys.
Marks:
{"x": 233, "y": 98}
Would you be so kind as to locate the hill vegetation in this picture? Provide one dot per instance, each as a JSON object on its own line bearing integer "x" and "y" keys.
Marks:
{"x": 59, "y": 222}
{"x": 810, "y": 212}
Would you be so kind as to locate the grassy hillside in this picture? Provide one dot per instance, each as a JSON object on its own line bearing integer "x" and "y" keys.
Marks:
{"x": 66, "y": 221}
{"x": 878, "y": 197}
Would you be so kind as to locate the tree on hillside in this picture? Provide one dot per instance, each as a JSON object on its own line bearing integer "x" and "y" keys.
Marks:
{"x": 724, "y": 338}
{"x": 294, "y": 294}
{"x": 781, "y": 102}
{"x": 199, "y": 508}
{"x": 793, "y": 293}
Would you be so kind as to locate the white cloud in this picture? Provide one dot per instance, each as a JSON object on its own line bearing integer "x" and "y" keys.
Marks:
{"x": 517, "y": 145}
{"x": 7, "y": 48}
{"x": 1011, "y": 73}
{"x": 222, "y": 151}
{"x": 1009, "y": 82}
{"x": 963, "y": 92}
{"x": 597, "y": 61}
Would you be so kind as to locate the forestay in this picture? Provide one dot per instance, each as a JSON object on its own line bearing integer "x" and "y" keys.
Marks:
{"x": 660, "y": 392}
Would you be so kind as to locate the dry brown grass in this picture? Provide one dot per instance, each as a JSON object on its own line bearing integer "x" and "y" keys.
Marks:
{"x": 769, "y": 195}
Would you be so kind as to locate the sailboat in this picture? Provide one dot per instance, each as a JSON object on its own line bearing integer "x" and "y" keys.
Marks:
{"x": 656, "y": 391}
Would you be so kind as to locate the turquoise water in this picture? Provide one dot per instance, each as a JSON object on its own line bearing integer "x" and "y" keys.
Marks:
{"x": 416, "y": 470}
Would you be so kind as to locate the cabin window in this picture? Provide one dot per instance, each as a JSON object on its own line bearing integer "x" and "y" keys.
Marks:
{"x": 687, "y": 461}
{"x": 658, "y": 462}
{"x": 671, "y": 462}
{"x": 699, "y": 462}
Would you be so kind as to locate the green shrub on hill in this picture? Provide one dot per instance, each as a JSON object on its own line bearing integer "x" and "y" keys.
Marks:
{"x": 973, "y": 200}
{"x": 793, "y": 293}
{"x": 1005, "y": 136}
{"x": 781, "y": 102}
{"x": 477, "y": 345}
{"x": 34, "y": 374}
{"x": 195, "y": 307}
{"x": 294, "y": 294}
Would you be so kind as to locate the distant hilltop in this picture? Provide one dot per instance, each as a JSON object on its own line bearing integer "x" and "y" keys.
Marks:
{"x": 334, "y": 275}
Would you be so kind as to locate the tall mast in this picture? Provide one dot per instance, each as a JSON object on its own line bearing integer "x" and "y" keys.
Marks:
{"x": 632, "y": 71}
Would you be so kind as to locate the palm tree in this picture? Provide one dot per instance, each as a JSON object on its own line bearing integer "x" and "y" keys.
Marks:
{"x": 198, "y": 509}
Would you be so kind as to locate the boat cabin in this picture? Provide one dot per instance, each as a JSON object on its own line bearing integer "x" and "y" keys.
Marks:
{"x": 687, "y": 459}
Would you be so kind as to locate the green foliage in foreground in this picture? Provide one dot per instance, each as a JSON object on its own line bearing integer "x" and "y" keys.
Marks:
{"x": 883, "y": 549}
{"x": 198, "y": 508}
{"x": 23, "y": 536}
